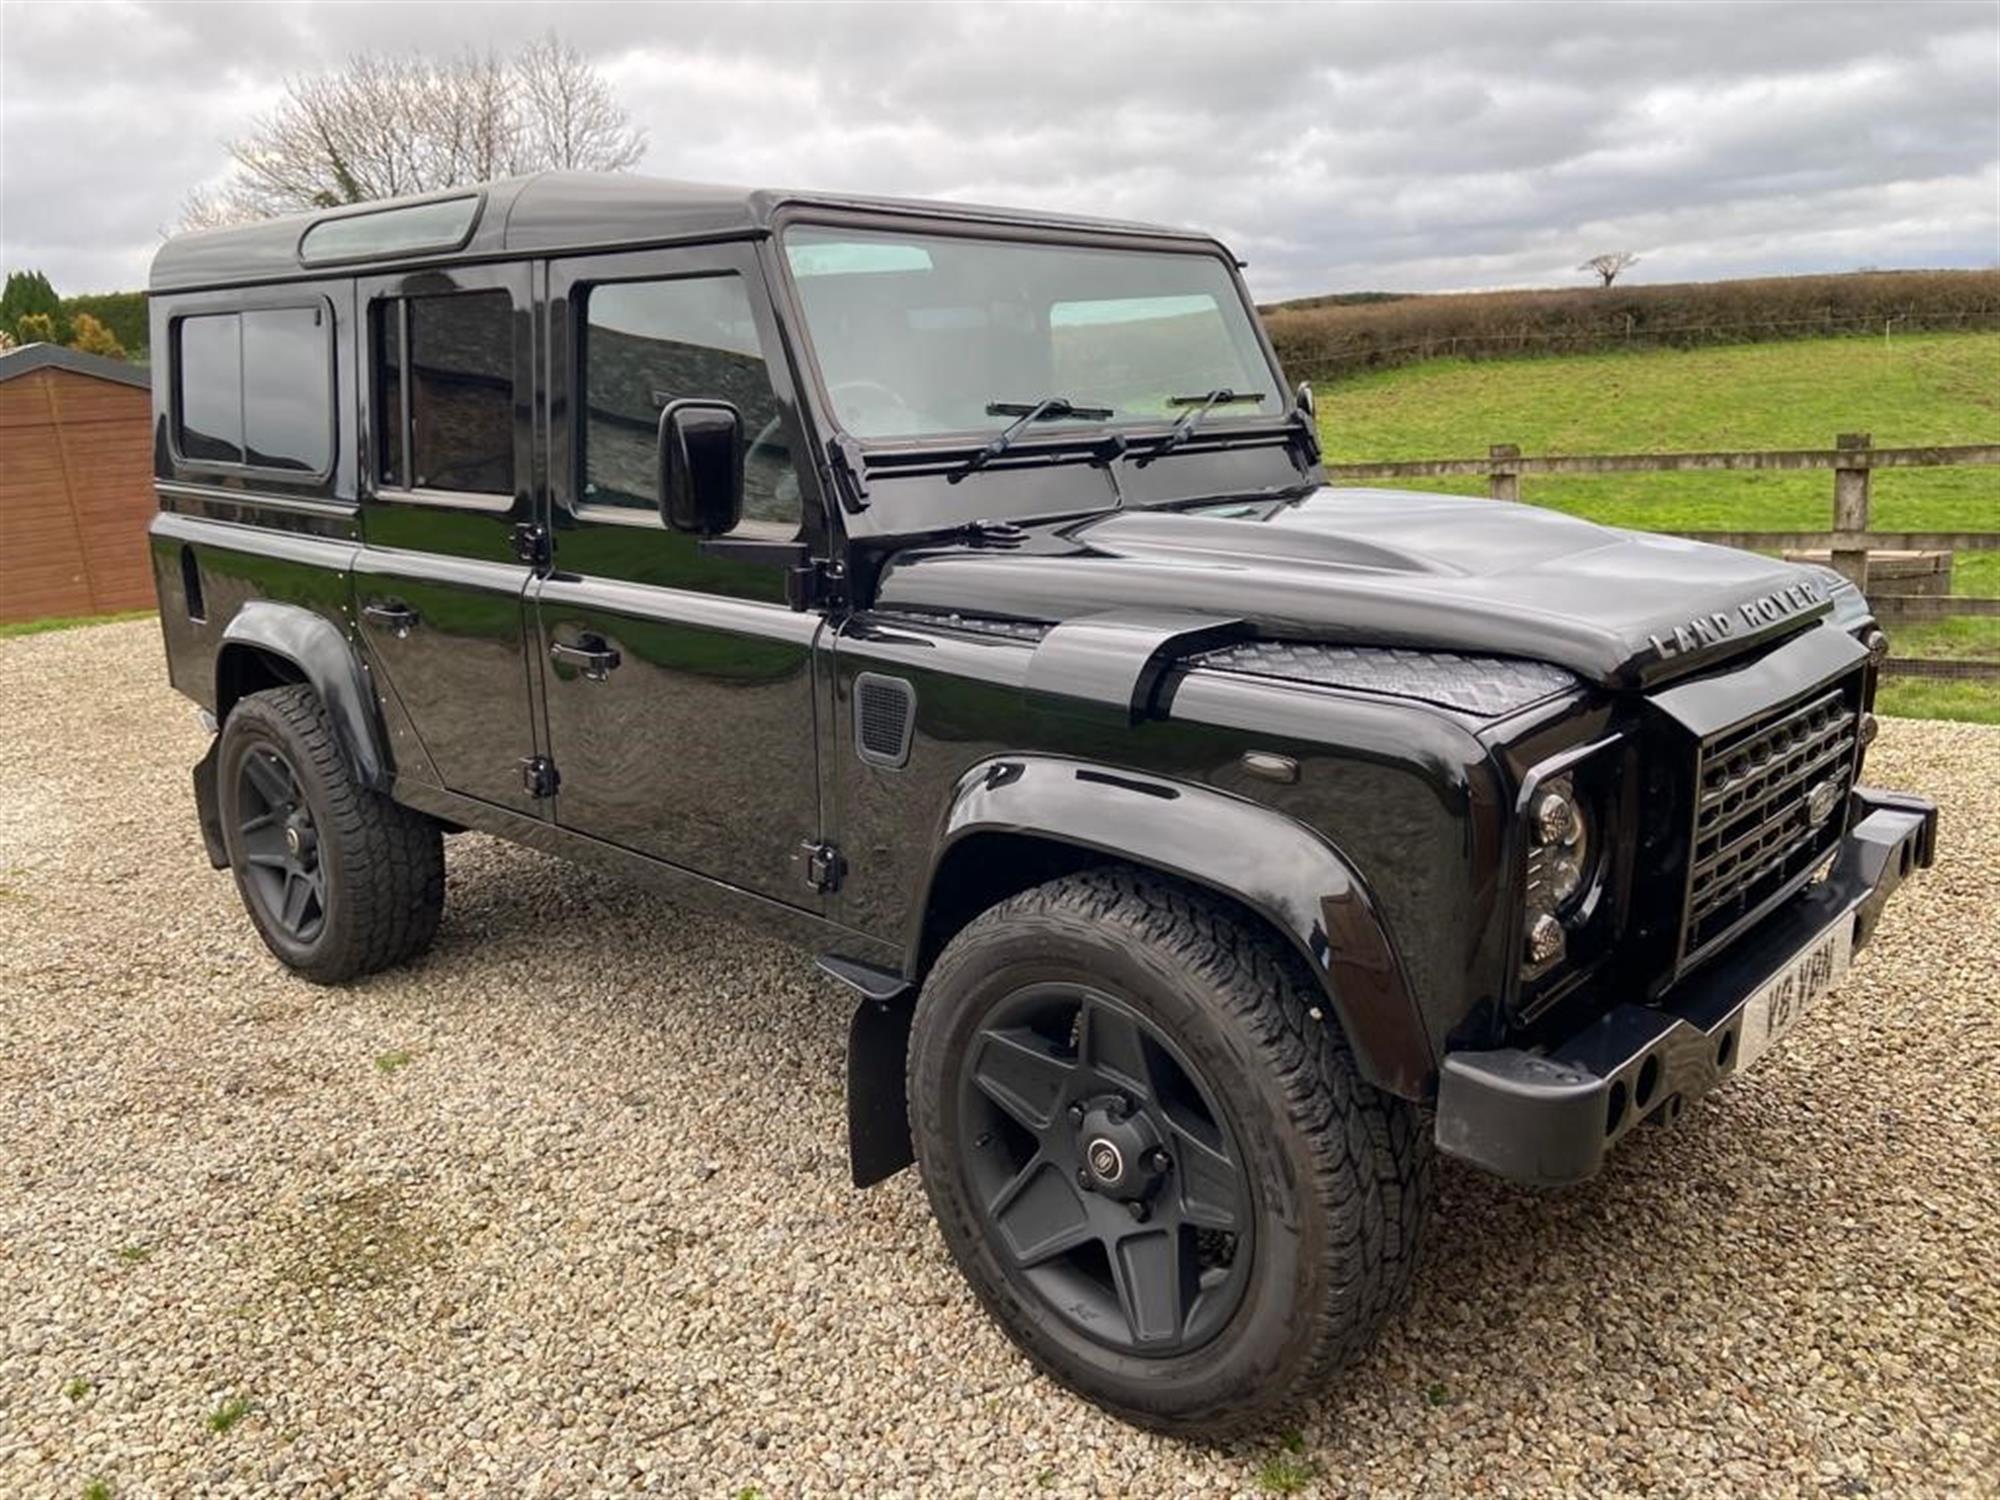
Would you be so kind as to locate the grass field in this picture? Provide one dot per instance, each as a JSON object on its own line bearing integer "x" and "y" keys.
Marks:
{"x": 1930, "y": 388}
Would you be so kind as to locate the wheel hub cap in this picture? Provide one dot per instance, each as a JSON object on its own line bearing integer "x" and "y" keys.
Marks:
{"x": 301, "y": 842}
{"x": 1122, "y": 1156}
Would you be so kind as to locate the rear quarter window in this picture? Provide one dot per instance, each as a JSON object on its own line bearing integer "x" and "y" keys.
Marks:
{"x": 254, "y": 389}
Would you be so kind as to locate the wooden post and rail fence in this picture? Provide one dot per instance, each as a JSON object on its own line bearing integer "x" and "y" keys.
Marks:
{"x": 1849, "y": 542}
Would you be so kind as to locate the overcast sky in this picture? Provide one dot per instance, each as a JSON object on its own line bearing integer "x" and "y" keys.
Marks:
{"x": 1405, "y": 147}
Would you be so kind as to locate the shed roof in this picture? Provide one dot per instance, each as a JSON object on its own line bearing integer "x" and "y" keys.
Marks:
{"x": 551, "y": 212}
{"x": 31, "y": 357}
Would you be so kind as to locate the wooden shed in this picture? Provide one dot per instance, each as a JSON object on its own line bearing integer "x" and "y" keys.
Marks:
{"x": 76, "y": 483}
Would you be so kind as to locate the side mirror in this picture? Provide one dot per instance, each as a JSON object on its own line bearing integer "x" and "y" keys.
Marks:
{"x": 701, "y": 466}
{"x": 1305, "y": 398}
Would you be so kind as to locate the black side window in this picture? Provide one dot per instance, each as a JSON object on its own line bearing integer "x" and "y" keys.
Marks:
{"x": 444, "y": 381}
{"x": 208, "y": 375}
{"x": 256, "y": 388}
{"x": 646, "y": 343}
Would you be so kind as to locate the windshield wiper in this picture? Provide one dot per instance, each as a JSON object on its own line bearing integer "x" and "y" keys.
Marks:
{"x": 1201, "y": 406}
{"x": 1024, "y": 413}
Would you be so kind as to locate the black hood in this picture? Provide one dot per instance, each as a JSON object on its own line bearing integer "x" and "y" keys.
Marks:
{"x": 1392, "y": 568}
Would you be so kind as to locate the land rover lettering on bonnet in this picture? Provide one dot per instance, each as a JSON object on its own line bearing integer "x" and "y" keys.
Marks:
{"x": 958, "y": 594}
{"x": 1753, "y": 614}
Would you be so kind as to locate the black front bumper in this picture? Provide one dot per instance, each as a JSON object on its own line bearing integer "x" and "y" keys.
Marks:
{"x": 1549, "y": 1116}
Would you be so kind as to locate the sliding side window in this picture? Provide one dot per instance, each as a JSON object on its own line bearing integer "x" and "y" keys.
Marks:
{"x": 444, "y": 383}
{"x": 254, "y": 389}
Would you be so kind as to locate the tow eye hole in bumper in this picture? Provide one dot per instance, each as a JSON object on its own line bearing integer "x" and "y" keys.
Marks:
{"x": 1649, "y": 1082}
{"x": 1614, "y": 1108}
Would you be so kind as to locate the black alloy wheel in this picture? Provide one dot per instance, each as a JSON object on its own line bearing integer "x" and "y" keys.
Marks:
{"x": 1105, "y": 1169}
{"x": 1151, "y": 1154}
{"x": 338, "y": 880}
{"x": 279, "y": 845}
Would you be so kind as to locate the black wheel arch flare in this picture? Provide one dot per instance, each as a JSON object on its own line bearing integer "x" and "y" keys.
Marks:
{"x": 263, "y": 634}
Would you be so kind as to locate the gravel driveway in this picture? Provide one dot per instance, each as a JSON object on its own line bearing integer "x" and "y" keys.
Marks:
{"x": 564, "y": 1208}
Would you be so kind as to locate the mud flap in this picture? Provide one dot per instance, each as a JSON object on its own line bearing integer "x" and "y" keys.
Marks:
{"x": 878, "y": 1110}
{"x": 207, "y": 808}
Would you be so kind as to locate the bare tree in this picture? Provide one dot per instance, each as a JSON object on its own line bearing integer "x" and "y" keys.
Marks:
{"x": 1609, "y": 266}
{"x": 569, "y": 114}
{"x": 387, "y": 125}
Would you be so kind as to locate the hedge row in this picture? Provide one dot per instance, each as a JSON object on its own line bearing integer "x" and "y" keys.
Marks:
{"x": 1319, "y": 339}
{"x": 124, "y": 313}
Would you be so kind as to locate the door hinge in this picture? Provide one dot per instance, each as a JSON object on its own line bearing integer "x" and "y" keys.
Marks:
{"x": 824, "y": 866}
{"x": 539, "y": 776}
{"x": 534, "y": 546}
{"x": 814, "y": 584}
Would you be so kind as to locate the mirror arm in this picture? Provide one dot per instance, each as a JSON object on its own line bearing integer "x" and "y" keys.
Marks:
{"x": 810, "y": 582}
{"x": 756, "y": 550}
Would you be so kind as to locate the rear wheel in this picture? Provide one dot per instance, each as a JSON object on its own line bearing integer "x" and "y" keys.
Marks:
{"x": 1157, "y": 1169}
{"x": 338, "y": 880}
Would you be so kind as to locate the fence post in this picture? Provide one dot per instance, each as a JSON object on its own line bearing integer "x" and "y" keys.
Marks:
{"x": 1506, "y": 477}
{"x": 1850, "y": 506}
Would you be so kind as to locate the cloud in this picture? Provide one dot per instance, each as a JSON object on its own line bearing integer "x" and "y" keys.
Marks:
{"x": 1394, "y": 146}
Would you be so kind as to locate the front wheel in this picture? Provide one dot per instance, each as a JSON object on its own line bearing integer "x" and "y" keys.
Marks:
{"x": 1158, "y": 1170}
{"x": 338, "y": 880}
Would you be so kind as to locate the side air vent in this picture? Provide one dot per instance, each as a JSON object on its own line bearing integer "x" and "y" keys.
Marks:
{"x": 197, "y": 610}
{"x": 885, "y": 712}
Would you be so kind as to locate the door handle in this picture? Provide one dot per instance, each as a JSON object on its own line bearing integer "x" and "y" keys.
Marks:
{"x": 592, "y": 654}
{"x": 397, "y": 618}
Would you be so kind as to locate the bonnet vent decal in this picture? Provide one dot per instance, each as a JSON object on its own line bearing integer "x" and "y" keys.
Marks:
{"x": 1488, "y": 686}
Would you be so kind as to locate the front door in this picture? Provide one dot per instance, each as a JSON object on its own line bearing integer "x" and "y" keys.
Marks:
{"x": 439, "y": 586}
{"x": 679, "y": 684}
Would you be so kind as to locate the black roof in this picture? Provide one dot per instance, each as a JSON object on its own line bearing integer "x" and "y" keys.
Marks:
{"x": 31, "y": 357}
{"x": 551, "y": 212}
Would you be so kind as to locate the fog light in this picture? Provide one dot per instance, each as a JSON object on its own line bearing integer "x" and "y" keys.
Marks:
{"x": 1545, "y": 940}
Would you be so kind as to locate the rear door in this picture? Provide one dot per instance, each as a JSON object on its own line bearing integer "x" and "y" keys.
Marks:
{"x": 440, "y": 586}
{"x": 679, "y": 684}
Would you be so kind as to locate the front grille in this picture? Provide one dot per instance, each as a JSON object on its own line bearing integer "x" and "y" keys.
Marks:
{"x": 1757, "y": 787}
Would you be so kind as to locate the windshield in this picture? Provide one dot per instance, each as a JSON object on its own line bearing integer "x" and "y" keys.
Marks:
{"x": 921, "y": 336}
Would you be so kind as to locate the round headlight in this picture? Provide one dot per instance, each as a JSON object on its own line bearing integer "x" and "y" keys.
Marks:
{"x": 1556, "y": 816}
{"x": 1545, "y": 939}
{"x": 1559, "y": 858}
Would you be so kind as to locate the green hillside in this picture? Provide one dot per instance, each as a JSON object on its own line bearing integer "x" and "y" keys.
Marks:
{"x": 1929, "y": 388}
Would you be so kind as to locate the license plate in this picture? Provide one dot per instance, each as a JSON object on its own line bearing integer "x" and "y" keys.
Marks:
{"x": 1787, "y": 995}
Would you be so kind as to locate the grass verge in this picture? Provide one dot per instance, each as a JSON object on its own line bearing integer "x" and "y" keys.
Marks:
{"x": 12, "y": 628}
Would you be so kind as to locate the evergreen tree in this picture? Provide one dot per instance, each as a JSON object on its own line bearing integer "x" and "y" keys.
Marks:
{"x": 28, "y": 293}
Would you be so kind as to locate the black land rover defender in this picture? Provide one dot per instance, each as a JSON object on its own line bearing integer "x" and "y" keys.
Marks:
{"x": 955, "y": 592}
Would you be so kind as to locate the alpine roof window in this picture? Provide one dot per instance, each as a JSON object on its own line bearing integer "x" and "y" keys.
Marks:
{"x": 415, "y": 228}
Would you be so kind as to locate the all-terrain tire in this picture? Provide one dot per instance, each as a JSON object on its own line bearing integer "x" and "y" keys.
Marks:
{"x": 1339, "y": 1172}
{"x": 381, "y": 865}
